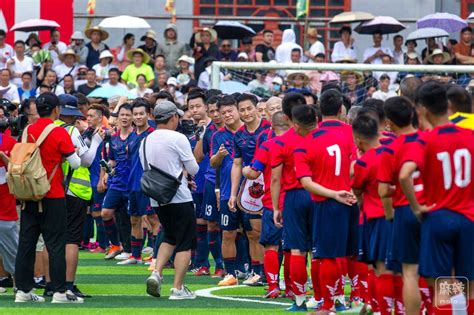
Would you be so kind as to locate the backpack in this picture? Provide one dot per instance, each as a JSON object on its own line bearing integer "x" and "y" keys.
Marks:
{"x": 26, "y": 177}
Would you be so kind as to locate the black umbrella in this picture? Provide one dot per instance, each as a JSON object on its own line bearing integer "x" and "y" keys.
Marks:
{"x": 233, "y": 30}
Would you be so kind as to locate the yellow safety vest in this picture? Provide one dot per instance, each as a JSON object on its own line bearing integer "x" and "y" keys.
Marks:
{"x": 80, "y": 184}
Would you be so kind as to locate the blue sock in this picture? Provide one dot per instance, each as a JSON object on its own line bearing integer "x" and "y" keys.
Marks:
{"x": 101, "y": 236}
{"x": 215, "y": 244}
{"x": 242, "y": 261}
{"x": 156, "y": 244}
{"x": 202, "y": 247}
{"x": 230, "y": 265}
{"x": 256, "y": 267}
{"x": 136, "y": 244}
{"x": 69, "y": 285}
{"x": 112, "y": 231}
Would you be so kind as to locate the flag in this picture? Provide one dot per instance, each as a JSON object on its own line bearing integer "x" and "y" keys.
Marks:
{"x": 169, "y": 7}
{"x": 90, "y": 11}
{"x": 302, "y": 8}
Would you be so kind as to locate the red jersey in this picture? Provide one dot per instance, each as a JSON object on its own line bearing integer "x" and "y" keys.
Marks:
{"x": 445, "y": 159}
{"x": 365, "y": 179}
{"x": 345, "y": 129}
{"x": 283, "y": 154}
{"x": 325, "y": 156}
{"x": 261, "y": 163}
{"x": 58, "y": 144}
{"x": 8, "y": 209}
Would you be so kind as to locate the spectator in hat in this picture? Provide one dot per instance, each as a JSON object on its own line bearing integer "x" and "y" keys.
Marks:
{"x": 55, "y": 46}
{"x": 127, "y": 44}
{"x": 114, "y": 79}
{"x": 141, "y": 90}
{"x": 96, "y": 45}
{"x": 32, "y": 40}
{"x": 352, "y": 86}
{"x": 410, "y": 59}
{"x": 431, "y": 45}
{"x": 438, "y": 57}
{"x": 204, "y": 47}
{"x": 242, "y": 75}
{"x": 246, "y": 47}
{"x": 171, "y": 48}
{"x": 19, "y": 63}
{"x": 81, "y": 76}
{"x": 277, "y": 86}
{"x": 288, "y": 44}
{"x": 345, "y": 47}
{"x": 68, "y": 66}
{"x": 463, "y": 49}
{"x": 183, "y": 65}
{"x": 297, "y": 81}
{"x": 78, "y": 44}
{"x": 374, "y": 54}
{"x": 102, "y": 68}
{"x": 264, "y": 52}
{"x": 204, "y": 81}
{"x": 150, "y": 47}
{"x": 316, "y": 46}
{"x": 226, "y": 53}
{"x": 139, "y": 66}
{"x": 25, "y": 90}
{"x": 172, "y": 87}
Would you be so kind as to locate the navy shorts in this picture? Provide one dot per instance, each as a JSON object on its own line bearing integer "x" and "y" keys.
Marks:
{"x": 297, "y": 220}
{"x": 406, "y": 236}
{"x": 335, "y": 229}
{"x": 139, "y": 204}
{"x": 97, "y": 199}
{"x": 230, "y": 220}
{"x": 364, "y": 241}
{"x": 380, "y": 235}
{"x": 211, "y": 213}
{"x": 198, "y": 207}
{"x": 245, "y": 220}
{"x": 447, "y": 239}
{"x": 115, "y": 199}
{"x": 271, "y": 235}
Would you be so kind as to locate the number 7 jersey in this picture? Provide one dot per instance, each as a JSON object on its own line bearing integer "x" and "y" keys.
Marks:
{"x": 444, "y": 157}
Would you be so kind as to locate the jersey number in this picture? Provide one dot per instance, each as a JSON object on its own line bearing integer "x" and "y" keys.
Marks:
{"x": 334, "y": 150}
{"x": 462, "y": 168}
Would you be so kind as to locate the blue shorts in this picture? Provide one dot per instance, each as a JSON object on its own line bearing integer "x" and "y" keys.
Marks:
{"x": 447, "y": 239}
{"x": 297, "y": 220}
{"x": 379, "y": 231}
{"x": 198, "y": 207}
{"x": 211, "y": 213}
{"x": 230, "y": 220}
{"x": 115, "y": 199}
{"x": 271, "y": 235}
{"x": 245, "y": 220}
{"x": 406, "y": 236}
{"x": 139, "y": 204}
{"x": 335, "y": 229}
{"x": 364, "y": 241}
{"x": 97, "y": 200}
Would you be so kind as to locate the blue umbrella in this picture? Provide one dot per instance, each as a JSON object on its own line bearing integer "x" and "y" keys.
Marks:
{"x": 229, "y": 87}
{"x": 106, "y": 92}
{"x": 451, "y": 23}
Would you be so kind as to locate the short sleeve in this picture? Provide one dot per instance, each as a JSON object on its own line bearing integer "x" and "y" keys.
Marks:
{"x": 415, "y": 153}
{"x": 261, "y": 157}
{"x": 183, "y": 148}
{"x": 277, "y": 154}
{"x": 149, "y": 74}
{"x": 361, "y": 172}
{"x": 237, "y": 151}
{"x": 214, "y": 144}
{"x": 126, "y": 74}
{"x": 64, "y": 142}
{"x": 302, "y": 162}
{"x": 260, "y": 49}
{"x": 385, "y": 172}
{"x": 111, "y": 154}
{"x": 206, "y": 143}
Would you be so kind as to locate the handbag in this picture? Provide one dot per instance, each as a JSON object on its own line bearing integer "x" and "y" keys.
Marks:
{"x": 158, "y": 184}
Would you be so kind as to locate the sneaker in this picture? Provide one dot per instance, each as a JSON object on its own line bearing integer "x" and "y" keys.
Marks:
{"x": 123, "y": 256}
{"x": 203, "y": 271}
{"x": 22, "y": 297}
{"x": 228, "y": 280}
{"x": 114, "y": 251}
{"x": 147, "y": 251}
{"x": 147, "y": 258}
{"x": 273, "y": 294}
{"x": 48, "y": 293}
{"x": 356, "y": 301}
{"x": 153, "y": 284}
{"x": 41, "y": 284}
{"x": 253, "y": 280}
{"x": 66, "y": 297}
{"x": 3, "y": 290}
{"x": 219, "y": 273}
{"x": 79, "y": 293}
{"x": 241, "y": 275}
{"x": 339, "y": 305}
{"x": 183, "y": 294}
{"x": 152, "y": 265}
{"x": 296, "y": 308}
{"x": 313, "y": 304}
{"x": 98, "y": 250}
{"x": 130, "y": 261}
{"x": 323, "y": 312}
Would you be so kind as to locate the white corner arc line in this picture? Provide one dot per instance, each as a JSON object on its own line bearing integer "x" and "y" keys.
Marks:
{"x": 208, "y": 294}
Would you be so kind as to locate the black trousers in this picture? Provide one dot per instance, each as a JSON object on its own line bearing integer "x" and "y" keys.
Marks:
{"x": 52, "y": 224}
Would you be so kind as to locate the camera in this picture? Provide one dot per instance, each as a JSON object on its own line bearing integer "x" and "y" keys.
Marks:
{"x": 190, "y": 129}
{"x": 87, "y": 135}
{"x": 16, "y": 124}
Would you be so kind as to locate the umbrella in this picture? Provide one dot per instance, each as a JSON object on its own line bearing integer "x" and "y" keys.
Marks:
{"x": 470, "y": 18}
{"x": 351, "y": 17}
{"x": 106, "y": 92}
{"x": 233, "y": 30}
{"x": 427, "y": 32}
{"x": 451, "y": 23}
{"x": 124, "y": 21}
{"x": 229, "y": 87}
{"x": 34, "y": 25}
{"x": 382, "y": 24}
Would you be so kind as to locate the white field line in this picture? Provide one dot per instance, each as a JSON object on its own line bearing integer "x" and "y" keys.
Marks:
{"x": 208, "y": 294}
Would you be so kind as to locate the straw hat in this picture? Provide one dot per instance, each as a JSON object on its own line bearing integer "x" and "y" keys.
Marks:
{"x": 106, "y": 54}
{"x": 131, "y": 52}
{"x": 185, "y": 58}
{"x": 436, "y": 52}
{"x": 208, "y": 30}
{"x": 151, "y": 34}
{"x": 292, "y": 74}
{"x": 71, "y": 53}
{"x": 346, "y": 59}
{"x": 77, "y": 35}
{"x": 359, "y": 76}
{"x": 313, "y": 32}
{"x": 103, "y": 34}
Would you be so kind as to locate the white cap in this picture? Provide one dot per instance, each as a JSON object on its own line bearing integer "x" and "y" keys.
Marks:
{"x": 172, "y": 81}
{"x": 277, "y": 80}
{"x": 243, "y": 55}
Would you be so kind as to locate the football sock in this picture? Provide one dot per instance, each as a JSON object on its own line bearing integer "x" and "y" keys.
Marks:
{"x": 298, "y": 275}
{"x": 357, "y": 272}
{"x": 229, "y": 264}
{"x": 286, "y": 271}
{"x": 470, "y": 306}
{"x": 136, "y": 244}
{"x": 398, "y": 295}
{"x": 242, "y": 259}
{"x": 101, "y": 236}
{"x": 256, "y": 267}
{"x": 384, "y": 293}
{"x": 112, "y": 231}
{"x": 215, "y": 245}
{"x": 202, "y": 247}
{"x": 426, "y": 295}
{"x": 330, "y": 276}
{"x": 315, "y": 270}
{"x": 156, "y": 245}
{"x": 445, "y": 309}
{"x": 372, "y": 300}
{"x": 272, "y": 269}
{"x": 342, "y": 263}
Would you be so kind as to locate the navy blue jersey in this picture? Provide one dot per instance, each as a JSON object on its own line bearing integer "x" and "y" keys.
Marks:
{"x": 206, "y": 149}
{"x": 245, "y": 142}
{"x": 199, "y": 177}
{"x": 119, "y": 152}
{"x": 136, "y": 170}
{"x": 94, "y": 169}
{"x": 226, "y": 137}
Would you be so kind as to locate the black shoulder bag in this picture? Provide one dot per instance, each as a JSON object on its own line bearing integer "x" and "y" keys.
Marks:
{"x": 158, "y": 184}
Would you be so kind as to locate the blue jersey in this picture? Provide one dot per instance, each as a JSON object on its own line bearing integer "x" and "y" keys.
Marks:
{"x": 152, "y": 123}
{"x": 119, "y": 153}
{"x": 245, "y": 142}
{"x": 94, "y": 169}
{"x": 136, "y": 170}
{"x": 226, "y": 137}
{"x": 206, "y": 149}
{"x": 199, "y": 177}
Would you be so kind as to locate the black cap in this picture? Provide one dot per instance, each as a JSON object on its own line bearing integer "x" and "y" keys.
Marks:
{"x": 47, "y": 100}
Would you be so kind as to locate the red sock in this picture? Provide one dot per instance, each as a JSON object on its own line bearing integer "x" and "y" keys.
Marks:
{"x": 384, "y": 293}
{"x": 470, "y": 306}
{"x": 298, "y": 274}
{"x": 342, "y": 263}
{"x": 315, "y": 271}
{"x": 330, "y": 276}
{"x": 371, "y": 298}
{"x": 357, "y": 273}
{"x": 272, "y": 268}
{"x": 398, "y": 295}
{"x": 286, "y": 271}
{"x": 445, "y": 309}
{"x": 426, "y": 296}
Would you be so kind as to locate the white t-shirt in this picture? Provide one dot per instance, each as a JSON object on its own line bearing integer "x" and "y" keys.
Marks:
{"x": 316, "y": 48}
{"x": 6, "y": 53}
{"x": 381, "y": 95}
{"x": 103, "y": 71}
{"x": 58, "y": 90}
{"x": 61, "y": 47}
{"x": 370, "y": 51}
{"x": 340, "y": 52}
{"x": 169, "y": 150}
{"x": 62, "y": 70}
{"x": 21, "y": 66}
{"x": 10, "y": 93}
{"x": 118, "y": 85}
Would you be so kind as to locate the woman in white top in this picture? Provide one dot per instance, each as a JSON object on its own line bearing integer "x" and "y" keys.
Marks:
{"x": 344, "y": 49}
{"x": 102, "y": 68}
{"x": 141, "y": 90}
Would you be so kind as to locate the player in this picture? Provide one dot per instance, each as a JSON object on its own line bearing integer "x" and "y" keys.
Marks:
{"x": 460, "y": 107}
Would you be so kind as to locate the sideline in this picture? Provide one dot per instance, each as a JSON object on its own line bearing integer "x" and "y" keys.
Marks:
{"x": 208, "y": 294}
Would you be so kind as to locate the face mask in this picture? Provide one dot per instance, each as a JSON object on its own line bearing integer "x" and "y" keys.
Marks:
{"x": 276, "y": 87}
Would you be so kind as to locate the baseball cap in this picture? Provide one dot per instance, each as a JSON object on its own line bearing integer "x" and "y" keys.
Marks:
{"x": 165, "y": 110}
{"x": 172, "y": 81}
{"x": 69, "y": 106}
{"x": 47, "y": 100}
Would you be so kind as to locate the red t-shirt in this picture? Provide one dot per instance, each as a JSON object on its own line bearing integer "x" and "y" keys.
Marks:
{"x": 283, "y": 154}
{"x": 445, "y": 157}
{"x": 365, "y": 179}
{"x": 58, "y": 144}
{"x": 345, "y": 129}
{"x": 8, "y": 208}
{"x": 325, "y": 156}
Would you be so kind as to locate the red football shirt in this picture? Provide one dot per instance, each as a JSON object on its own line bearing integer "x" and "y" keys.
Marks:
{"x": 365, "y": 179}
{"x": 57, "y": 145}
{"x": 345, "y": 129}
{"x": 325, "y": 156}
{"x": 283, "y": 154}
{"x": 445, "y": 159}
{"x": 8, "y": 209}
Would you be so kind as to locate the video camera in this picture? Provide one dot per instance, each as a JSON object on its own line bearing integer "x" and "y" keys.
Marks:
{"x": 15, "y": 124}
{"x": 190, "y": 129}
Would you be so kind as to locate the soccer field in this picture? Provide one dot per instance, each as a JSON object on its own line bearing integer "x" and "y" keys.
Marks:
{"x": 122, "y": 289}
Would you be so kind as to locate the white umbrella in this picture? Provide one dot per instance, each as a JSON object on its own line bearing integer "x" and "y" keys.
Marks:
{"x": 427, "y": 32}
{"x": 124, "y": 21}
{"x": 470, "y": 18}
{"x": 352, "y": 17}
